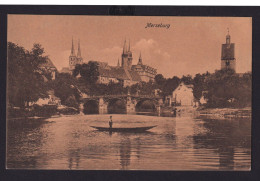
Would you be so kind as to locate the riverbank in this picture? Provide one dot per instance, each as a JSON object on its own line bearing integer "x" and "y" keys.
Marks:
{"x": 226, "y": 112}
{"x": 38, "y": 112}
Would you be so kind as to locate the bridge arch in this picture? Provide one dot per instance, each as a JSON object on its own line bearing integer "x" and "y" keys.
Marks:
{"x": 116, "y": 106}
{"x": 145, "y": 106}
{"x": 91, "y": 107}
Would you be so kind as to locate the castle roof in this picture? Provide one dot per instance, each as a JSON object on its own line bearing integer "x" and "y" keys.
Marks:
{"x": 135, "y": 76}
{"x": 119, "y": 73}
{"x": 143, "y": 67}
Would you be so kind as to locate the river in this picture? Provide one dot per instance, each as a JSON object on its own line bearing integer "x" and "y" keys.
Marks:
{"x": 177, "y": 143}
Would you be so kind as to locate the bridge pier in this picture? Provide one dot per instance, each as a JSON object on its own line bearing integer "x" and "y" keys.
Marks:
{"x": 130, "y": 106}
{"x": 102, "y": 106}
{"x": 81, "y": 108}
{"x": 158, "y": 107}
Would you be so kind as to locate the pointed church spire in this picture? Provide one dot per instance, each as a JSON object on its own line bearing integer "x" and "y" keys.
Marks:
{"x": 124, "y": 48}
{"x": 228, "y": 37}
{"x": 118, "y": 64}
{"x": 129, "y": 46}
{"x": 72, "y": 49}
{"x": 79, "y": 52}
{"x": 140, "y": 59}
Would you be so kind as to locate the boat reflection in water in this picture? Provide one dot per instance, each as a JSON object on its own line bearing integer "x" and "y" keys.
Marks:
{"x": 177, "y": 143}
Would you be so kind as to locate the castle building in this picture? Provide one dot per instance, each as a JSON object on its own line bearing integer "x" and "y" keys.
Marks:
{"x": 127, "y": 73}
{"x": 146, "y": 72}
{"x": 228, "y": 60}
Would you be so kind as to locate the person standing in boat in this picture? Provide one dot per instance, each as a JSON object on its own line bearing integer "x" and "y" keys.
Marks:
{"x": 110, "y": 122}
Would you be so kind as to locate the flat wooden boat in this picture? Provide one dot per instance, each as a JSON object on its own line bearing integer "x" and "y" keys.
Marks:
{"x": 134, "y": 129}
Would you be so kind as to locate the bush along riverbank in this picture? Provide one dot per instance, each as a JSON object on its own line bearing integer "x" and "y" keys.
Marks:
{"x": 37, "y": 111}
{"x": 226, "y": 112}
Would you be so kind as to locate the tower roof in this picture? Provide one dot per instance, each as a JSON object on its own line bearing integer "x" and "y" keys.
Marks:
{"x": 228, "y": 37}
{"x": 140, "y": 59}
{"x": 72, "y": 49}
{"x": 228, "y": 32}
{"x": 79, "y": 52}
{"x": 129, "y": 46}
{"x": 124, "y": 48}
{"x": 118, "y": 64}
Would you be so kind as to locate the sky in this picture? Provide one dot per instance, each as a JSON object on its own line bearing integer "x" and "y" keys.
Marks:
{"x": 191, "y": 45}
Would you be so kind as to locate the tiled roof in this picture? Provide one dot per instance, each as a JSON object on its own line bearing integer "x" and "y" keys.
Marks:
{"x": 143, "y": 67}
{"x": 48, "y": 64}
{"x": 65, "y": 70}
{"x": 119, "y": 73}
{"x": 113, "y": 73}
{"x": 135, "y": 76}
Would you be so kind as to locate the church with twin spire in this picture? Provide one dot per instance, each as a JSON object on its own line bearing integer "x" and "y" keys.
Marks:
{"x": 74, "y": 59}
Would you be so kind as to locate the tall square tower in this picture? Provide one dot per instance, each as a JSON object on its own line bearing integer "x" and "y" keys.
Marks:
{"x": 228, "y": 60}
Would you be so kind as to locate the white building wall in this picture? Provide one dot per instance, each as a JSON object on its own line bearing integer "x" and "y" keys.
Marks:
{"x": 106, "y": 80}
{"x": 183, "y": 95}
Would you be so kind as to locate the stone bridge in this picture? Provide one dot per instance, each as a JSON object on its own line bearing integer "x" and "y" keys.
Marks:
{"x": 126, "y": 104}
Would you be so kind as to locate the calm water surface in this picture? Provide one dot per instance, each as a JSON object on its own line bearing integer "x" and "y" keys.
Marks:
{"x": 181, "y": 143}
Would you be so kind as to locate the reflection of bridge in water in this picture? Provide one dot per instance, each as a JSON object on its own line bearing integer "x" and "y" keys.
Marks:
{"x": 121, "y": 104}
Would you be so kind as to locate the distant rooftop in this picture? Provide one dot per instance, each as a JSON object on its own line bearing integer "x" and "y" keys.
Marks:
{"x": 48, "y": 64}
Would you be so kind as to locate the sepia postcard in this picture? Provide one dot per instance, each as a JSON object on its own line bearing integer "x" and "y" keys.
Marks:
{"x": 129, "y": 92}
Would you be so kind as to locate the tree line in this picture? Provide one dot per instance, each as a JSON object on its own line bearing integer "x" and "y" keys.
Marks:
{"x": 26, "y": 82}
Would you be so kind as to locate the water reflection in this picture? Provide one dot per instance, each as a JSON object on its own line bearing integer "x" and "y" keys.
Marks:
{"x": 125, "y": 153}
{"x": 224, "y": 136}
{"x": 24, "y": 139}
{"x": 138, "y": 148}
{"x": 181, "y": 143}
{"x": 73, "y": 158}
{"x": 226, "y": 158}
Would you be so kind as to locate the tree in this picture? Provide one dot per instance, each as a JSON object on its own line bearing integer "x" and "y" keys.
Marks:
{"x": 170, "y": 85}
{"x": 187, "y": 79}
{"x": 64, "y": 87}
{"x": 89, "y": 72}
{"x": 225, "y": 88}
{"x": 135, "y": 89}
{"x": 159, "y": 79}
{"x": 77, "y": 70}
{"x": 71, "y": 102}
{"x": 199, "y": 84}
{"x": 25, "y": 77}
